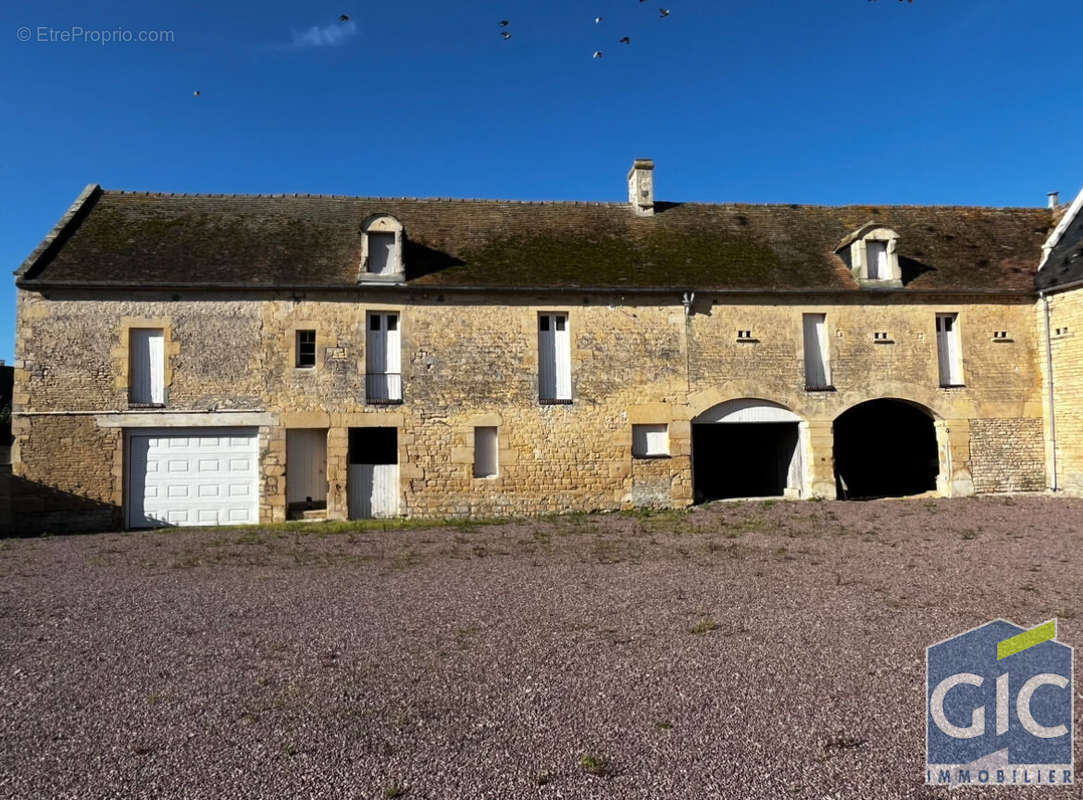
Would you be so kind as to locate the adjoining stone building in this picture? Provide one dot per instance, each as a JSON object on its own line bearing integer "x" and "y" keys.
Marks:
{"x": 214, "y": 359}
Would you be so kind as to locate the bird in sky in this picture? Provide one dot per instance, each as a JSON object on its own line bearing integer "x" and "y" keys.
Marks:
{"x": 195, "y": 93}
{"x": 503, "y": 23}
{"x": 597, "y": 20}
{"x": 597, "y": 54}
{"x": 343, "y": 17}
{"x": 505, "y": 34}
{"x": 626, "y": 40}
{"x": 663, "y": 12}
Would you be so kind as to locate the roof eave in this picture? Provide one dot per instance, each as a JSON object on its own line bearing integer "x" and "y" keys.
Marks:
{"x": 54, "y": 237}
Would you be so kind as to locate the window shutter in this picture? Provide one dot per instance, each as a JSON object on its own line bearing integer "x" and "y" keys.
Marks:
{"x": 817, "y": 370}
{"x": 146, "y": 366}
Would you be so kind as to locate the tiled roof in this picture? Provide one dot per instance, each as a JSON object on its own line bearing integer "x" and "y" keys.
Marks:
{"x": 306, "y": 240}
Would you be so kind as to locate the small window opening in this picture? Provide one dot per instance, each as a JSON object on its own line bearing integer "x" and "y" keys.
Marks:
{"x": 306, "y": 349}
{"x": 485, "y": 452}
{"x": 650, "y": 441}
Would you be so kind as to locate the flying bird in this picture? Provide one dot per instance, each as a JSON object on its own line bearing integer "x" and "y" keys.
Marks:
{"x": 597, "y": 20}
{"x": 663, "y": 12}
{"x": 343, "y": 17}
{"x": 597, "y": 53}
{"x": 503, "y": 23}
{"x": 625, "y": 40}
{"x": 505, "y": 34}
{"x": 195, "y": 93}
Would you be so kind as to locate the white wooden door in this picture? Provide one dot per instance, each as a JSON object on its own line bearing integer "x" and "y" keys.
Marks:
{"x": 373, "y": 490}
{"x": 192, "y": 476}
{"x": 383, "y": 357}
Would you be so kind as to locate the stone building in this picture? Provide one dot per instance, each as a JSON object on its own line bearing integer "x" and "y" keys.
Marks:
{"x": 213, "y": 359}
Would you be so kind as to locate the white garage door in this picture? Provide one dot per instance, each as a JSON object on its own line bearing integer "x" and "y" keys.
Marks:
{"x": 193, "y": 476}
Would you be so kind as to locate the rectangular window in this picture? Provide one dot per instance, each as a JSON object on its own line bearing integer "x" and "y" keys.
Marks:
{"x": 485, "y": 452}
{"x": 949, "y": 354}
{"x": 817, "y": 365}
{"x": 381, "y": 253}
{"x": 554, "y": 359}
{"x": 877, "y": 260}
{"x": 383, "y": 371}
{"x": 306, "y": 349}
{"x": 650, "y": 441}
{"x": 146, "y": 366}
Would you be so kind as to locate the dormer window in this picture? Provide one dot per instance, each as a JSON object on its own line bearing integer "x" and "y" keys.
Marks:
{"x": 381, "y": 250}
{"x": 871, "y": 253}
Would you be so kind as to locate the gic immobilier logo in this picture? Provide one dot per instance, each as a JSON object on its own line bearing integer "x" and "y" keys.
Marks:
{"x": 999, "y": 707}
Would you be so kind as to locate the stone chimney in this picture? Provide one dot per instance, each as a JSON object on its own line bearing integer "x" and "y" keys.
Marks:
{"x": 641, "y": 187}
{"x": 1054, "y": 199}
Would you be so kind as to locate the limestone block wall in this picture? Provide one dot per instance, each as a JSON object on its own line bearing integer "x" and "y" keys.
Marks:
{"x": 1066, "y": 341}
{"x": 472, "y": 361}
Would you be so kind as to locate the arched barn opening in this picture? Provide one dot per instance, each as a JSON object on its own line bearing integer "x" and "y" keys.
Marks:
{"x": 885, "y": 448}
{"x": 746, "y": 448}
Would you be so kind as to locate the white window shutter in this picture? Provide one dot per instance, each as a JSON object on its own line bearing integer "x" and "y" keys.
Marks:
{"x": 562, "y": 348}
{"x": 948, "y": 352}
{"x": 146, "y": 368}
{"x": 381, "y": 253}
{"x": 877, "y": 260}
{"x": 156, "y": 347}
{"x": 817, "y": 369}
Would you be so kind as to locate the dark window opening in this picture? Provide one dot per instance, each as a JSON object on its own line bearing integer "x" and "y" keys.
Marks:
{"x": 374, "y": 446}
{"x": 543, "y": 322}
{"x": 885, "y": 448}
{"x": 742, "y": 459}
{"x": 306, "y": 348}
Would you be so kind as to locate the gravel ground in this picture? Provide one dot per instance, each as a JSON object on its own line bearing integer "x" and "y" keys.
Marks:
{"x": 769, "y": 650}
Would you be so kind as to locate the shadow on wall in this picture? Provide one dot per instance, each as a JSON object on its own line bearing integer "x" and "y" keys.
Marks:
{"x": 31, "y": 509}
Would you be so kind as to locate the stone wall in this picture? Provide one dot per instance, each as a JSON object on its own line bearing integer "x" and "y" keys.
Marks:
{"x": 470, "y": 361}
{"x": 1007, "y": 455}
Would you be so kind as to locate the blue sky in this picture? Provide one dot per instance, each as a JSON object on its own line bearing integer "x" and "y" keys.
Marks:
{"x": 810, "y": 101}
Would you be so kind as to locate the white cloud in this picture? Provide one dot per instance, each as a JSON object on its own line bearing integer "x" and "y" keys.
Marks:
{"x": 325, "y": 36}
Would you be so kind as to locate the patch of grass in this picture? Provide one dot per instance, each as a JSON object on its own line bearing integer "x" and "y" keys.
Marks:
{"x": 596, "y": 764}
{"x": 395, "y": 789}
{"x": 705, "y": 625}
{"x": 664, "y": 725}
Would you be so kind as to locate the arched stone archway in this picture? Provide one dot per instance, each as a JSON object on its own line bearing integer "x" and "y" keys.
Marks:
{"x": 748, "y": 447}
{"x": 885, "y": 447}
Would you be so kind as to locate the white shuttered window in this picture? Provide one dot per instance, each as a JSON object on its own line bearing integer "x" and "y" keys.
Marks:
{"x": 146, "y": 366}
{"x": 877, "y": 260}
{"x": 949, "y": 355}
{"x": 817, "y": 366}
{"x": 650, "y": 440}
{"x": 554, "y": 359}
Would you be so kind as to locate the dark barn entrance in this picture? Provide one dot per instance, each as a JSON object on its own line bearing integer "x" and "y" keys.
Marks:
{"x": 885, "y": 448}
{"x": 742, "y": 459}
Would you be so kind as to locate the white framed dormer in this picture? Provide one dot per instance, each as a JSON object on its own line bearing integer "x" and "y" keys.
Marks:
{"x": 872, "y": 254}
{"x": 382, "y": 245}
